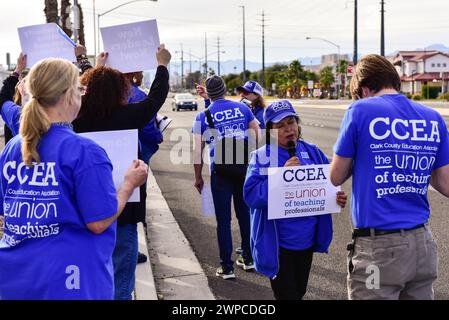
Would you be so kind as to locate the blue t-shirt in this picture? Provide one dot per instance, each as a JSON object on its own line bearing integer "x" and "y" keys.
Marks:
{"x": 231, "y": 120}
{"x": 46, "y": 251}
{"x": 11, "y": 116}
{"x": 395, "y": 144}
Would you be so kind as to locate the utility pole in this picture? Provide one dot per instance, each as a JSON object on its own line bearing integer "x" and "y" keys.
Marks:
{"x": 218, "y": 54}
{"x": 182, "y": 67}
{"x": 263, "y": 48}
{"x": 355, "y": 53}
{"x": 205, "y": 55}
{"x": 382, "y": 29}
{"x": 244, "y": 45}
{"x": 190, "y": 55}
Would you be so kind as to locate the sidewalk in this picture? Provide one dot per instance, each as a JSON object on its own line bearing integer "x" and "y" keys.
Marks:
{"x": 173, "y": 271}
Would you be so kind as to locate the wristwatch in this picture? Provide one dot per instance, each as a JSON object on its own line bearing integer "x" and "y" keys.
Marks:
{"x": 81, "y": 57}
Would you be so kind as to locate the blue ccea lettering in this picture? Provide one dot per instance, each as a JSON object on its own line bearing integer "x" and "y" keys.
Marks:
{"x": 304, "y": 174}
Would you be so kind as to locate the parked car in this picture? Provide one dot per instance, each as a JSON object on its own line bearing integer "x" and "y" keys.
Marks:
{"x": 184, "y": 101}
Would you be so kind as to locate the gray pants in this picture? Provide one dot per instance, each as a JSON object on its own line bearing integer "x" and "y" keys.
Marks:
{"x": 394, "y": 266}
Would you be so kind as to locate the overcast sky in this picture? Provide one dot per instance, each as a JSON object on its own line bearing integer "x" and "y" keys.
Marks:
{"x": 410, "y": 24}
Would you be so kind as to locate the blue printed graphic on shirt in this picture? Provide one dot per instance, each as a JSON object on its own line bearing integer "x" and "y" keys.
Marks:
{"x": 231, "y": 120}
{"x": 47, "y": 251}
{"x": 395, "y": 144}
{"x": 11, "y": 116}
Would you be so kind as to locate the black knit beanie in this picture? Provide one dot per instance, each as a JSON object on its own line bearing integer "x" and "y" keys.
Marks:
{"x": 215, "y": 87}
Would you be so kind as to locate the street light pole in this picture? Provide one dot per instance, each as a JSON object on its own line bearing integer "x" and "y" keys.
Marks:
{"x": 110, "y": 10}
{"x": 382, "y": 29}
{"x": 244, "y": 45}
{"x": 95, "y": 29}
{"x": 355, "y": 53}
{"x": 338, "y": 62}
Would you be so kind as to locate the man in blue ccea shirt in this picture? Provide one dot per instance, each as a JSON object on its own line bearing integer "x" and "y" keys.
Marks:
{"x": 393, "y": 148}
{"x": 228, "y": 120}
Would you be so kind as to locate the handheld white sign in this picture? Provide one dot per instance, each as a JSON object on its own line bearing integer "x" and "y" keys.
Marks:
{"x": 132, "y": 47}
{"x": 45, "y": 41}
{"x": 301, "y": 191}
{"x": 121, "y": 147}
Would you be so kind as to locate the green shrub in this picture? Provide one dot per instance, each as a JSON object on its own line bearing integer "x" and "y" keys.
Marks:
{"x": 430, "y": 92}
{"x": 444, "y": 97}
{"x": 416, "y": 97}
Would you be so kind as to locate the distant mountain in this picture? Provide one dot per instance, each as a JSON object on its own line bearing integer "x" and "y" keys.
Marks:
{"x": 439, "y": 47}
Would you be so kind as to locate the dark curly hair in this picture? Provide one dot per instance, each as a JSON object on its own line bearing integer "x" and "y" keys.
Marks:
{"x": 107, "y": 89}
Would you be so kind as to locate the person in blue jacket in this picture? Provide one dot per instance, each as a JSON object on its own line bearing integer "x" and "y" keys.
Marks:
{"x": 283, "y": 249}
{"x": 252, "y": 94}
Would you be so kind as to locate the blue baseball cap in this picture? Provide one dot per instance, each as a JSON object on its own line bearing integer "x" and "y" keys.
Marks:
{"x": 279, "y": 110}
{"x": 252, "y": 87}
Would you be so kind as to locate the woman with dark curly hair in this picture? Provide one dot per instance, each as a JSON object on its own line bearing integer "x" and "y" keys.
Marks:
{"x": 105, "y": 108}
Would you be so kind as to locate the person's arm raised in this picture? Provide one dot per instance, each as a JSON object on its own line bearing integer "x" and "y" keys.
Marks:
{"x": 81, "y": 58}
{"x": 159, "y": 89}
{"x": 135, "y": 176}
{"x": 9, "y": 85}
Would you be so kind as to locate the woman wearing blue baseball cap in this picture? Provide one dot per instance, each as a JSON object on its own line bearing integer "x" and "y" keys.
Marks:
{"x": 283, "y": 249}
{"x": 252, "y": 95}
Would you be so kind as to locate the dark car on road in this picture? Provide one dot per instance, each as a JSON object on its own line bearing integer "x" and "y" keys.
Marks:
{"x": 184, "y": 101}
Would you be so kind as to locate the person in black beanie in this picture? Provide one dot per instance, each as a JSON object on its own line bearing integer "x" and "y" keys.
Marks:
{"x": 225, "y": 120}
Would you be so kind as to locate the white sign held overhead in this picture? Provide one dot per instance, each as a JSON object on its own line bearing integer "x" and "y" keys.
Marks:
{"x": 132, "y": 47}
{"x": 301, "y": 191}
{"x": 121, "y": 147}
{"x": 45, "y": 41}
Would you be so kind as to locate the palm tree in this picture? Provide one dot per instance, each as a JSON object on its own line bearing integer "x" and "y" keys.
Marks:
{"x": 51, "y": 11}
{"x": 327, "y": 78}
{"x": 295, "y": 73}
{"x": 82, "y": 39}
{"x": 65, "y": 17}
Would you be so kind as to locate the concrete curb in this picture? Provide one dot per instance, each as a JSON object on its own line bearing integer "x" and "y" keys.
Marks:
{"x": 145, "y": 288}
{"x": 177, "y": 273}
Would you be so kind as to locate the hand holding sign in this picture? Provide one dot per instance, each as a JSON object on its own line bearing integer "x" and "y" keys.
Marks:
{"x": 163, "y": 56}
{"x": 342, "y": 198}
{"x": 21, "y": 63}
{"x": 101, "y": 59}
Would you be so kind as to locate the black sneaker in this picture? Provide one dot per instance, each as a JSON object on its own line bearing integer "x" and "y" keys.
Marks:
{"x": 239, "y": 251}
{"x": 225, "y": 275}
{"x": 141, "y": 258}
{"x": 246, "y": 265}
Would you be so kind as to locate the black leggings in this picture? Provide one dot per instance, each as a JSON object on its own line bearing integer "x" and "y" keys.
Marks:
{"x": 293, "y": 276}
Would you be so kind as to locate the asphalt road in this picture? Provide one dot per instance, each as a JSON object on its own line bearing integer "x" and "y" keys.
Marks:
{"x": 328, "y": 275}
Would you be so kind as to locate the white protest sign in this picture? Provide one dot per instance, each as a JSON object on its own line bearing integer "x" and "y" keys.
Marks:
{"x": 45, "y": 41}
{"x": 207, "y": 201}
{"x": 301, "y": 191}
{"x": 132, "y": 47}
{"x": 121, "y": 147}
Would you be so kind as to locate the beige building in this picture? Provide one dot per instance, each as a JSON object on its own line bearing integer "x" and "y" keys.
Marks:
{"x": 418, "y": 68}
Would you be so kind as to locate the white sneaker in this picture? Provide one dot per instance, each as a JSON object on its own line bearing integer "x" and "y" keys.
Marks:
{"x": 162, "y": 122}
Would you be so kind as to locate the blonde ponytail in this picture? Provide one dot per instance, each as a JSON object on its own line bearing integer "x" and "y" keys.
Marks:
{"x": 34, "y": 123}
{"x": 47, "y": 81}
